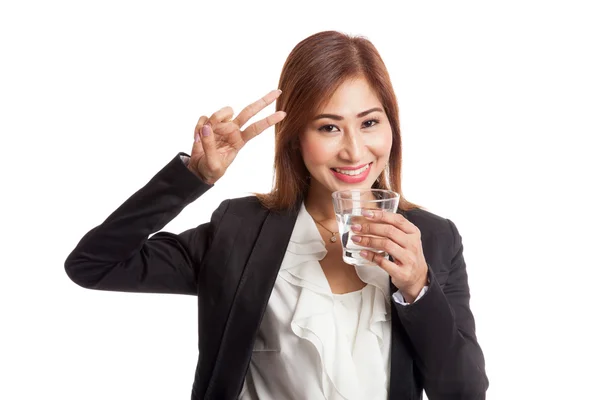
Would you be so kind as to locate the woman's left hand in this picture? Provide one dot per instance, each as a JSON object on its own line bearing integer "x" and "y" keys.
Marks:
{"x": 398, "y": 237}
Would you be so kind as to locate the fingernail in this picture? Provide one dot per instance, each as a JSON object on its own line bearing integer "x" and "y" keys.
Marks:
{"x": 368, "y": 214}
{"x": 279, "y": 90}
{"x": 356, "y": 239}
{"x": 206, "y": 129}
{"x": 356, "y": 228}
{"x": 196, "y": 137}
{"x": 363, "y": 253}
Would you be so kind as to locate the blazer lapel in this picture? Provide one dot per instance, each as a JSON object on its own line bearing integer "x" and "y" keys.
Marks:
{"x": 251, "y": 299}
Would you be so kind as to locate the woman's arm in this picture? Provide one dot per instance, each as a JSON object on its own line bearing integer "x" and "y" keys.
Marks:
{"x": 442, "y": 330}
{"x": 118, "y": 254}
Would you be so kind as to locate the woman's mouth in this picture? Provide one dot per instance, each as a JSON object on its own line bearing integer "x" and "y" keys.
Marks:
{"x": 352, "y": 175}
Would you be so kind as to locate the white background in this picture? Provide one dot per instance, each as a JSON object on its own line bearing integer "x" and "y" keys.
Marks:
{"x": 499, "y": 107}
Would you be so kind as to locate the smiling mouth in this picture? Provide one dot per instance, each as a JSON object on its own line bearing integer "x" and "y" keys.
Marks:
{"x": 352, "y": 172}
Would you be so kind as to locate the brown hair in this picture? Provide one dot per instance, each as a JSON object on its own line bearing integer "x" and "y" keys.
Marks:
{"x": 313, "y": 71}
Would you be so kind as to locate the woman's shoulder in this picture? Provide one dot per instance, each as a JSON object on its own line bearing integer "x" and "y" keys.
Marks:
{"x": 252, "y": 205}
{"x": 422, "y": 215}
{"x": 428, "y": 222}
{"x": 242, "y": 206}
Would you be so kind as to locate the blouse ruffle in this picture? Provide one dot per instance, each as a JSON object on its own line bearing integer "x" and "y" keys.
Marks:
{"x": 347, "y": 372}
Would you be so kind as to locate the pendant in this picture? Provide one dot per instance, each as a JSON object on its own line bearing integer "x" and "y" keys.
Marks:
{"x": 333, "y": 239}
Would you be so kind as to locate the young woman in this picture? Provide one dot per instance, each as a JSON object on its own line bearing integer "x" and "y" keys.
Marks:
{"x": 280, "y": 315}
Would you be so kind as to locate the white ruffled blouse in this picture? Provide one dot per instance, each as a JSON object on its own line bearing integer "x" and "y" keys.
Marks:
{"x": 313, "y": 344}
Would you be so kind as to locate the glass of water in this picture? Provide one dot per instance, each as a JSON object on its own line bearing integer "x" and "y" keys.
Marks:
{"x": 348, "y": 206}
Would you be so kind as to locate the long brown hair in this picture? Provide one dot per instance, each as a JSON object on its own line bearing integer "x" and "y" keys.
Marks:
{"x": 313, "y": 71}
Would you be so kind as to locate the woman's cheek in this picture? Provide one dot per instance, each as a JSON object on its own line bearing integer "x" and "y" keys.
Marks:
{"x": 381, "y": 143}
{"x": 318, "y": 151}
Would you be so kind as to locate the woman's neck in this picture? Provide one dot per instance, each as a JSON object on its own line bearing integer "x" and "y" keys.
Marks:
{"x": 319, "y": 204}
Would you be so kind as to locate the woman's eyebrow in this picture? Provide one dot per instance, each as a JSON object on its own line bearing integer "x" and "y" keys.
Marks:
{"x": 339, "y": 117}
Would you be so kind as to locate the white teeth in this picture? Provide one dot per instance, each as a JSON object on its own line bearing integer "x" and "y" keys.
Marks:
{"x": 352, "y": 172}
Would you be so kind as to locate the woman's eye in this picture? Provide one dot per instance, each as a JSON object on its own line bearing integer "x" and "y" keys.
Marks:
{"x": 371, "y": 122}
{"x": 327, "y": 128}
{"x": 332, "y": 128}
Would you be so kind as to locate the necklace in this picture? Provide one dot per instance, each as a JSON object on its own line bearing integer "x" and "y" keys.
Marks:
{"x": 333, "y": 238}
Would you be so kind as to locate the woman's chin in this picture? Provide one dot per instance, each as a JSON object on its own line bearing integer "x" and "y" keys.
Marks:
{"x": 365, "y": 185}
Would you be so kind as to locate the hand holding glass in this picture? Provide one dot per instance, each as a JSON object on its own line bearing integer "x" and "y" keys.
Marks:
{"x": 348, "y": 206}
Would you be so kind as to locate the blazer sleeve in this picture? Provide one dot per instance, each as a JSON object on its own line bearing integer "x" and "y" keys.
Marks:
{"x": 119, "y": 255}
{"x": 441, "y": 328}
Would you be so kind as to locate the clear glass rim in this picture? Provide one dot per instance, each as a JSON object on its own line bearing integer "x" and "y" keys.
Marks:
{"x": 336, "y": 195}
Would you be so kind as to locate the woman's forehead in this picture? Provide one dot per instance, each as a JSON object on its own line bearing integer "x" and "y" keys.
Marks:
{"x": 350, "y": 98}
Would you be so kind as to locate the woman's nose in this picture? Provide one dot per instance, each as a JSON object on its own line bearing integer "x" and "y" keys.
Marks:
{"x": 352, "y": 146}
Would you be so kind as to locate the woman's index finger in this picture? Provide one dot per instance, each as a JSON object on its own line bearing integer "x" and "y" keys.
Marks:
{"x": 254, "y": 108}
{"x": 258, "y": 127}
{"x": 392, "y": 218}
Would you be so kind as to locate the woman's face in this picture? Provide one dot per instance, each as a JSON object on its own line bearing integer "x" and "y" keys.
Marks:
{"x": 347, "y": 145}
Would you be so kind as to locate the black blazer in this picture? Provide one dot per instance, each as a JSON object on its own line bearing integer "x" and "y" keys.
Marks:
{"x": 231, "y": 264}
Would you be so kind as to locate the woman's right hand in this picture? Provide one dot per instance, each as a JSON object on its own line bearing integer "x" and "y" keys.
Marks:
{"x": 218, "y": 139}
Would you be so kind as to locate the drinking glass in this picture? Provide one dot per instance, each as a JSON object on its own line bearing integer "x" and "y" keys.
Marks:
{"x": 348, "y": 206}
